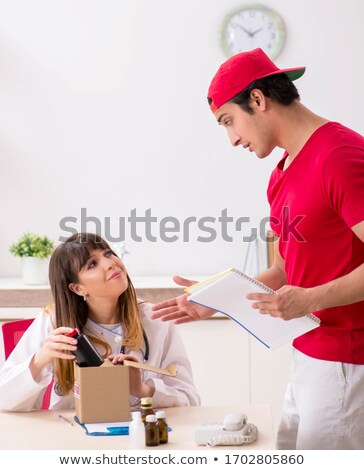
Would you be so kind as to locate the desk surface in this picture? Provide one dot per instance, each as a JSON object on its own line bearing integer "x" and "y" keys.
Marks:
{"x": 44, "y": 430}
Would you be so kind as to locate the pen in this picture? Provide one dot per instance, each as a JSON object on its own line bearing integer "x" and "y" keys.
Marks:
{"x": 65, "y": 419}
{"x": 118, "y": 430}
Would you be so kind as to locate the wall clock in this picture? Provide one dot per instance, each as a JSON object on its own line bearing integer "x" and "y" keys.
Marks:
{"x": 252, "y": 26}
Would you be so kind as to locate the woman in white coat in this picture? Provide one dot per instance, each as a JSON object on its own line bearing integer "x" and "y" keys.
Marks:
{"x": 93, "y": 292}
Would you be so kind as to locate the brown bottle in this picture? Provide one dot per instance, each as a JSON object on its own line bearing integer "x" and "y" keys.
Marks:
{"x": 163, "y": 427}
{"x": 151, "y": 430}
{"x": 146, "y": 407}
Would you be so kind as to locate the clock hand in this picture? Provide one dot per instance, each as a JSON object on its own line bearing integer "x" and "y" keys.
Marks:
{"x": 255, "y": 32}
{"x": 242, "y": 27}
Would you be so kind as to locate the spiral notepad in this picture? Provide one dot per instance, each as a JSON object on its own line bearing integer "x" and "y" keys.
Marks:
{"x": 226, "y": 292}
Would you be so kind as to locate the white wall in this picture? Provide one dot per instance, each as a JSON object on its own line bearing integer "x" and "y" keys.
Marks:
{"x": 102, "y": 105}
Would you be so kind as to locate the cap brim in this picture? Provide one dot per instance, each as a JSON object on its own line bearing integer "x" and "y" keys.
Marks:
{"x": 292, "y": 74}
{"x": 295, "y": 73}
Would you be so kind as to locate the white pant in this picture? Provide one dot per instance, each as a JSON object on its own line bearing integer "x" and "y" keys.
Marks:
{"x": 323, "y": 406}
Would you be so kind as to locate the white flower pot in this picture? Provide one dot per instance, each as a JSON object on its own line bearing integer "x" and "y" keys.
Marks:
{"x": 35, "y": 270}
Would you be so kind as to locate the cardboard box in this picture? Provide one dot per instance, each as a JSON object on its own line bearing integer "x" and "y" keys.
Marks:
{"x": 102, "y": 393}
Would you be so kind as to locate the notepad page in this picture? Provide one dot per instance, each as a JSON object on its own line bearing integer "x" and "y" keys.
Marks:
{"x": 201, "y": 285}
{"x": 227, "y": 294}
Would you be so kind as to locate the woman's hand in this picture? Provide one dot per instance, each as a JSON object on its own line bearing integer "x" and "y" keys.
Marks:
{"x": 137, "y": 387}
{"x": 54, "y": 346}
{"x": 180, "y": 309}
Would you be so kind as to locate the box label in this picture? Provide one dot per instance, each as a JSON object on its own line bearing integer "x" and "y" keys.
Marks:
{"x": 76, "y": 390}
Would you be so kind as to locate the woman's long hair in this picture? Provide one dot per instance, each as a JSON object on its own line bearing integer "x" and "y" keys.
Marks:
{"x": 71, "y": 310}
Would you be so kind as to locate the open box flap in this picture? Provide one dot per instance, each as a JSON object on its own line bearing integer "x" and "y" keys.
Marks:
{"x": 170, "y": 370}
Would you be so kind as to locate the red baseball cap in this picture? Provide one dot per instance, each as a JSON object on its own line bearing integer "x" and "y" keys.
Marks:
{"x": 240, "y": 71}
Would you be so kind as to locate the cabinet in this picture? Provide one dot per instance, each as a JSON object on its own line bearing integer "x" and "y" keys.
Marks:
{"x": 269, "y": 376}
{"x": 231, "y": 367}
{"x": 219, "y": 355}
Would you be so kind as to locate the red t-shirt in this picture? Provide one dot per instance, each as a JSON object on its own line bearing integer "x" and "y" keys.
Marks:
{"x": 314, "y": 203}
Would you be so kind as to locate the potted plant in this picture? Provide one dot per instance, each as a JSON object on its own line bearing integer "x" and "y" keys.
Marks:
{"x": 34, "y": 250}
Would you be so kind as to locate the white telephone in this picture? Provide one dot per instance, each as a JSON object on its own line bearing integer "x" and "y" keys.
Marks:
{"x": 235, "y": 430}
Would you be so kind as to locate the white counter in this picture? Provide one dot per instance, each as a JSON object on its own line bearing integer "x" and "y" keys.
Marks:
{"x": 15, "y": 294}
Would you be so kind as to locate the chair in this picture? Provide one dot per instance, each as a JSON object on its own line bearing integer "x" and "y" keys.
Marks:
{"x": 12, "y": 332}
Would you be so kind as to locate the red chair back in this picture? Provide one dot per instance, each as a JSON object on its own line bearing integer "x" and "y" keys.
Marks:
{"x": 12, "y": 332}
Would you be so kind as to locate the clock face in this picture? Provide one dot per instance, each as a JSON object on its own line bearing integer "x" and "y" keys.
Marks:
{"x": 253, "y": 27}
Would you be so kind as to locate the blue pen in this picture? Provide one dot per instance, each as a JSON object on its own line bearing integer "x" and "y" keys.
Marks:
{"x": 121, "y": 431}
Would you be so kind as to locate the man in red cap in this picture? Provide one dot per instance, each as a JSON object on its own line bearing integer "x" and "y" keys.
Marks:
{"x": 319, "y": 261}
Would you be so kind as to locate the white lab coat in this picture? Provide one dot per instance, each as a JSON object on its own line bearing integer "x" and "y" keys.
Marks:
{"x": 20, "y": 392}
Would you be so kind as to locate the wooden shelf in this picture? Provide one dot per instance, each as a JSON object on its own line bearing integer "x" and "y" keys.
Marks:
{"x": 15, "y": 294}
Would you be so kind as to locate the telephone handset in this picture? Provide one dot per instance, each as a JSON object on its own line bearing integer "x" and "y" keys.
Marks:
{"x": 235, "y": 430}
{"x": 234, "y": 421}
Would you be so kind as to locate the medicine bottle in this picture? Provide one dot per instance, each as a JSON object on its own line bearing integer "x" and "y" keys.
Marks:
{"x": 86, "y": 354}
{"x": 146, "y": 407}
{"x": 137, "y": 431}
{"x": 151, "y": 431}
{"x": 163, "y": 427}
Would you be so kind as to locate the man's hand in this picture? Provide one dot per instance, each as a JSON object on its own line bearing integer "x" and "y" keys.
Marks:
{"x": 180, "y": 309}
{"x": 287, "y": 303}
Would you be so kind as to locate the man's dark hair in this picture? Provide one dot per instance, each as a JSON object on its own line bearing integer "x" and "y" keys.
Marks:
{"x": 278, "y": 88}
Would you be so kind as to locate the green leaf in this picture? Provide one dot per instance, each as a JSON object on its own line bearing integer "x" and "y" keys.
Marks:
{"x": 30, "y": 244}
